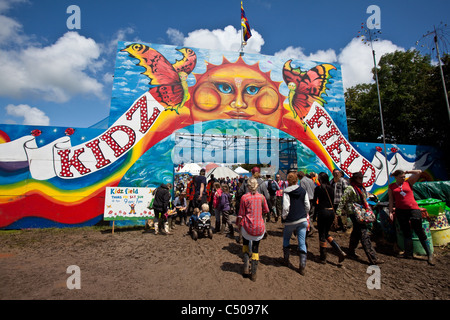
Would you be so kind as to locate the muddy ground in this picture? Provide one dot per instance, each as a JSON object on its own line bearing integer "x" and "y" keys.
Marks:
{"x": 131, "y": 265}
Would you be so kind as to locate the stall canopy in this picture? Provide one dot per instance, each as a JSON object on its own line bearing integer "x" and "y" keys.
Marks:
{"x": 240, "y": 170}
{"x": 191, "y": 168}
{"x": 222, "y": 172}
{"x": 211, "y": 166}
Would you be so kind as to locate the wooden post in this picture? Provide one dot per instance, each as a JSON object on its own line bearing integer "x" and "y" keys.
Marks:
{"x": 113, "y": 226}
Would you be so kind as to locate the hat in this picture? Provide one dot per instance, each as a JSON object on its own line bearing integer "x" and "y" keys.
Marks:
{"x": 256, "y": 169}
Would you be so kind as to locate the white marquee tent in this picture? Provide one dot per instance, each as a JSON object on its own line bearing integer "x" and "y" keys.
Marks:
{"x": 240, "y": 170}
{"x": 191, "y": 168}
{"x": 222, "y": 172}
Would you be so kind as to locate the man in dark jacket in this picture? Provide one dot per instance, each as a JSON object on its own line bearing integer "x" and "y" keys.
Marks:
{"x": 161, "y": 207}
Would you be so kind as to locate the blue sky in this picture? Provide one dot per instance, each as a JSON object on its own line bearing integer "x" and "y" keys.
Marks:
{"x": 50, "y": 75}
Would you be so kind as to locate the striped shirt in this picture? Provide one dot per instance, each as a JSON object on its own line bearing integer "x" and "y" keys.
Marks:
{"x": 251, "y": 211}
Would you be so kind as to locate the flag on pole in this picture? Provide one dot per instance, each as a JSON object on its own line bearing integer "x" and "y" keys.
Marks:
{"x": 246, "y": 33}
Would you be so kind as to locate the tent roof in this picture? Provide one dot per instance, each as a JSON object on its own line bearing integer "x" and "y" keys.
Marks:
{"x": 222, "y": 172}
{"x": 191, "y": 168}
{"x": 211, "y": 166}
{"x": 240, "y": 170}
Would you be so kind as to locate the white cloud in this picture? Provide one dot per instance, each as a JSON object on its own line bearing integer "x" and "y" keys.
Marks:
{"x": 176, "y": 37}
{"x": 227, "y": 39}
{"x": 54, "y": 73}
{"x": 7, "y": 4}
{"x": 11, "y": 31}
{"x": 298, "y": 54}
{"x": 357, "y": 61}
{"x": 31, "y": 115}
{"x": 120, "y": 35}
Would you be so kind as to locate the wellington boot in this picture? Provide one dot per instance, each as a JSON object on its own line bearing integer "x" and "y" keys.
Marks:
{"x": 426, "y": 246}
{"x": 231, "y": 233}
{"x": 340, "y": 253}
{"x": 286, "y": 253}
{"x": 408, "y": 243}
{"x": 246, "y": 271}
{"x": 255, "y": 260}
{"x": 323, "y": 253}
{"x": 217, "y": 227}
{"x": 302, "y": 266}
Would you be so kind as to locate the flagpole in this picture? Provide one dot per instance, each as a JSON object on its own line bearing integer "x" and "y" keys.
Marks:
{"x": 241, "y": 50}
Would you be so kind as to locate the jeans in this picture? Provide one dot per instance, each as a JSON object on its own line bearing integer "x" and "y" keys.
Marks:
{"x": 300, "y": 228}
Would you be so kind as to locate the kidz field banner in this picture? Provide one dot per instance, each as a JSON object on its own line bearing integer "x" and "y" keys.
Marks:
{"x": 128, "y": 203}
{"x": 52, "y": 176}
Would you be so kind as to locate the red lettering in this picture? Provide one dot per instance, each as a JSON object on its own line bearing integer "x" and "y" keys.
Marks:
{"x": 98, "y": 154}
{"x": 353, "y": 155}
{"x": 118, "y": 150}
{"x": 367, "y": 165}
{"x": 146, "y": 123}
{"x": 66, "y": 163}
{"x": 315, "y": 119}
{"x": 332, "y": 132}
{"x": 337, "y": 146}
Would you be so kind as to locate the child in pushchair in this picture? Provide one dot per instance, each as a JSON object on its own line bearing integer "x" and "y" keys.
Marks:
{"x": 200, "y": 223}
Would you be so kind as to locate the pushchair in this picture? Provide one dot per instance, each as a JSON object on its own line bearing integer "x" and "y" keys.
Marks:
{"x": 201, "y": 227}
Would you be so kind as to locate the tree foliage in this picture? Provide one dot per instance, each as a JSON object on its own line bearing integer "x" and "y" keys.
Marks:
{"x": 412, "y": 99}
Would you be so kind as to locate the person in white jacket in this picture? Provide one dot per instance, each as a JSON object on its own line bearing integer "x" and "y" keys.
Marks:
{"x": 294, "y": 216}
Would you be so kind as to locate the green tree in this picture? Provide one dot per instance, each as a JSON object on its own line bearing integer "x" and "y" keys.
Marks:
{"x": 412, "y": 99}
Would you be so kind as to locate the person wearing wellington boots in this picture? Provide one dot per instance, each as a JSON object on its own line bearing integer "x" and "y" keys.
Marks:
{"x": 407, "y": 211}
{"x": 250, "y": 223}
{"x": 356, "y": 193}
{"x": 323, "y": 202}
{"x": 161, "y": 207}
{"x": 295, "y": 206}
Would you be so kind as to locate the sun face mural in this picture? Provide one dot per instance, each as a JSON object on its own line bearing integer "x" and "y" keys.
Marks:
{"x": 58, "y": 176}
{"x": 237, "y": 91}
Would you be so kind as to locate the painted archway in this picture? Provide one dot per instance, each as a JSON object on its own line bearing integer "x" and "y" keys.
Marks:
{"x": 159, "y": 89}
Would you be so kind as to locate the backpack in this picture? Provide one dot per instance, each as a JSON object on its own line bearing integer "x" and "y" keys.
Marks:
{"x": 272, "y": 187}
{"x": 216, "y": 198}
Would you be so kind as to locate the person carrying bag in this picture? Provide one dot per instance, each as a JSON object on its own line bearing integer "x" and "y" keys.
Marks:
{"x": 356, "y": 194}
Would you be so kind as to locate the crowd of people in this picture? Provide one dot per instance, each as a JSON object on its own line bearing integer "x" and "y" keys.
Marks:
{"x": 304, "y": 203}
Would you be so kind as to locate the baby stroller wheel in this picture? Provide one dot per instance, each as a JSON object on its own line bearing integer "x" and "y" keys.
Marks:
{"x": 194, "y": 235}
{"x": 210, "y": 233}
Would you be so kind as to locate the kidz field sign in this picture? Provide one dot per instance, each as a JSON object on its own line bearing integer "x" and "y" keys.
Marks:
{"x": 128, "y": 203}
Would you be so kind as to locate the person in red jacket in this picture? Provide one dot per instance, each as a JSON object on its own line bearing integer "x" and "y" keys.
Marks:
{"x": 250, "y": 222}
{"x": 407, "y": 211}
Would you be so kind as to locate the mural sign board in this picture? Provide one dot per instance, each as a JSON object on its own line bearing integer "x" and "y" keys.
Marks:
{"x": 128, "y": 203}
{"x": 59, "y": 177}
